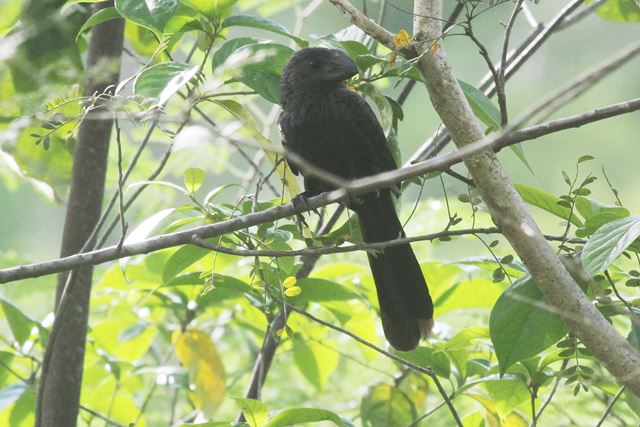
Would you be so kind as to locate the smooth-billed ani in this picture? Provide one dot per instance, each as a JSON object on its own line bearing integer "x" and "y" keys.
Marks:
{"x": 334, "y": 129}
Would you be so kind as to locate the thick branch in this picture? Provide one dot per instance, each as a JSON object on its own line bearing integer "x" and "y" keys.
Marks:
{"x": 509, "y": 212}
{"x": 61, "y": 379}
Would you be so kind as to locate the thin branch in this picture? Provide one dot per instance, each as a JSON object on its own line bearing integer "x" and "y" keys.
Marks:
{"x": 632, "y": 314}
{"x": 515, "y": 60}
{"x": 387, "y": 354}
{"x": 549, "y": 398}
{"x": 326, "y": 250}
{"x": 502, "y": 99}
{"x": 539, "y": 40}
{"x": 610, "y": 406}
{"x": 575, "y": 121}
{"x": 580, "y": 14}
{"x": 500, "y": 82}
{"x": 107, "y": 420}
{"x": 439, "y": 163}
{"x": 123, "y": 224}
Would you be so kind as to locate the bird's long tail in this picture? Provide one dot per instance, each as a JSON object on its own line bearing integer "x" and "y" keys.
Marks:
{"x": 406, "y": 307}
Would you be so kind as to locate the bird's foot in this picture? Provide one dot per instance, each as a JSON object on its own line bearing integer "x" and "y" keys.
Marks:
{"x": 302, "y": 201}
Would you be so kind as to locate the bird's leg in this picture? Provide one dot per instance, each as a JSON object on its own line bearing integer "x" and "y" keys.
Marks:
{"x": 302, "y": 201}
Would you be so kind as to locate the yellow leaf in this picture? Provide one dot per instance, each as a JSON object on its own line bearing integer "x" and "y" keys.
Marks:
{"x": 197, "y": 353}
{"x": 401, "y": 39}
{"x": 293, "y": 291}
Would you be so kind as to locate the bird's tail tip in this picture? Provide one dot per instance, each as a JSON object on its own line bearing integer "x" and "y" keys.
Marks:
{"x": 426, "y": 327}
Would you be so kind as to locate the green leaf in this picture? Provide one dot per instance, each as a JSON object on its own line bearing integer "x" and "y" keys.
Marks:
{"x": 193, "y": 179}
{"x": 222, "y": 54}
{"x": 103, "y": 15}
{"x": 506, "y": 393}
{"x": 263, "y": 24}
{"x": 224, "y": 287}
{"x": 522, "y": 325}
{"x": 490, "y": 115}
{"x": 319, "y": 290}
{"x": 609, "y": 242}
{"x": 360, "y": 54}
{"x": 161, "y": 81}
{"x": 181, "y": 259}
{"x": 316, "y": 362}
{"x": 482, "y": 106}
{"x": 384, "y": 107}
{"x": 10, "y": 12}
{"x": 263, "y": 75}
{"x": 19, "y": 323}
{"x": 386, "y": 406}
{"x": 619, "y": 10}
{"x": 296, "y": 416}
{"x": 546, "y": 201}
{"x": 587, "y": 207}
{"x": 152, "y": 15}
{"x": 600, "y": 218}
{"x": 585, "y": 158}
{"x": 428, "y": 357}
{"x": 23, "y": 413}
{"x": 211, "y": 8}
{"x": 255, "y": 412}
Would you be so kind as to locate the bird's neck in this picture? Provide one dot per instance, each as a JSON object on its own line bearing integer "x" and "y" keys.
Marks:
{"x": 306, "y": 99}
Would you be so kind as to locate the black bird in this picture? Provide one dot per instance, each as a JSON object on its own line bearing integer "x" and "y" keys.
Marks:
{"x": 334, "y": 129}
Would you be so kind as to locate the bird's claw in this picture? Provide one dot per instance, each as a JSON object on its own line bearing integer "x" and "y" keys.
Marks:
{"x": 302, "y": 201}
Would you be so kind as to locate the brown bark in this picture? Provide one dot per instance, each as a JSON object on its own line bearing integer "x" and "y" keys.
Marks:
{"x": 61, "y": 380}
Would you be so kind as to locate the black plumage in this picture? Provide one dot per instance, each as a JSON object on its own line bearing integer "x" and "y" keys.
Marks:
{"x": 334, "y": 129}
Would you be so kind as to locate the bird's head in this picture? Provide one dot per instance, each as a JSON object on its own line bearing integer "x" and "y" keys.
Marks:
{"x": 316, "y": 69}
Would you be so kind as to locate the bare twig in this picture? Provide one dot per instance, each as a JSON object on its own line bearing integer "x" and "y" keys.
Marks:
{"x": 580, "y": 14}
{"x": 610, "y": 406}
{"x": 107, "y": 420}
{"x": 500, "y": 82}
{"x": 515, "y": 60}
{"x": 326, "y": 250}
{"x": 502, "y": 99}
{"x": 123, "y": 224}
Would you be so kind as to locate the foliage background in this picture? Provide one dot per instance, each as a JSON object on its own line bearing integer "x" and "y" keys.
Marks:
{"x": 130, "y": 332}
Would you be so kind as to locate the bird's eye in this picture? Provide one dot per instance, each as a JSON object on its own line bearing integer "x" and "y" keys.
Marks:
{"x": 313, "y": 63}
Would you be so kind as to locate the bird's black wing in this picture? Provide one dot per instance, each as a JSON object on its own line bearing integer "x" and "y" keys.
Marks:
{"x": 283, "y": 139}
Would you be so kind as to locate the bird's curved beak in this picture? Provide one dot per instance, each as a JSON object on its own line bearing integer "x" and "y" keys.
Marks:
{"x": 343, "y": 67}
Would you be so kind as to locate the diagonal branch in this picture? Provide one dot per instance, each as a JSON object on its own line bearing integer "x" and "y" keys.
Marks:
{"x": 507, "y": 208}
